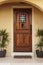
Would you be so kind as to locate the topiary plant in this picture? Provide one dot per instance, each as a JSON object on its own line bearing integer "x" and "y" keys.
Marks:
{"x": 3, "y": 38}
{"x": 40, "y": 35}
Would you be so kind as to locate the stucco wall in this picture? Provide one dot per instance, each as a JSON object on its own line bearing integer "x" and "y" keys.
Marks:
{"x": 36, "y": 3}
{"x": 38, "y": 24}
{"x": 6, "y": 22}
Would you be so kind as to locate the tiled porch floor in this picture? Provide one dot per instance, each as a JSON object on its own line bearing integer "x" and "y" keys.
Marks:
{"x": 21, "y": 60}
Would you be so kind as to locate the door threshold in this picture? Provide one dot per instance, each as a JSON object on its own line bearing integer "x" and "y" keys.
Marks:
{"x": 24, "y": 54}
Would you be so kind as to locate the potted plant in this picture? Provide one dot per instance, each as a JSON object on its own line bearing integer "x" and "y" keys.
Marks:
{"x": 3, "y": 42}
{"x": 39, "y": 51}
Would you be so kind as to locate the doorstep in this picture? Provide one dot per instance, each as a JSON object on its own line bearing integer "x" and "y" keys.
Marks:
{"x": 22, "y": 54}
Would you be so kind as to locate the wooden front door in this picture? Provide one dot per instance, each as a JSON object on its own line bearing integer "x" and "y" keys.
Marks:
{"x": 23, "y": 30}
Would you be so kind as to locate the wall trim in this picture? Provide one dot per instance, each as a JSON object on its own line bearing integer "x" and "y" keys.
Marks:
{"x": 24, "y": 53}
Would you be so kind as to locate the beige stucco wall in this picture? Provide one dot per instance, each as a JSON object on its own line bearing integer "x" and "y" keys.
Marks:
{"x": 38, "y": 24}
{"x": 6, "y": 22}
{"x": 36, "y": 3}
{"x": 38, "y": 21}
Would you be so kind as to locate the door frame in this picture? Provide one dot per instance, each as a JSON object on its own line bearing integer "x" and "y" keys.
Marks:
{"x": 23, "y": 53}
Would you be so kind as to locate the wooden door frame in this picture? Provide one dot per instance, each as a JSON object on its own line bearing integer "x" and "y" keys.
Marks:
{"x": 13, "y": 7}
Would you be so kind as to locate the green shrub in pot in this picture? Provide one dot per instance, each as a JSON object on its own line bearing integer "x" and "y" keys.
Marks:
{"x": 40, "y": 43}
{"x": 3, "y": 40}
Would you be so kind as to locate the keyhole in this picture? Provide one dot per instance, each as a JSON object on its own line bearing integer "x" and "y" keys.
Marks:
{"x": 22, "y": 25}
